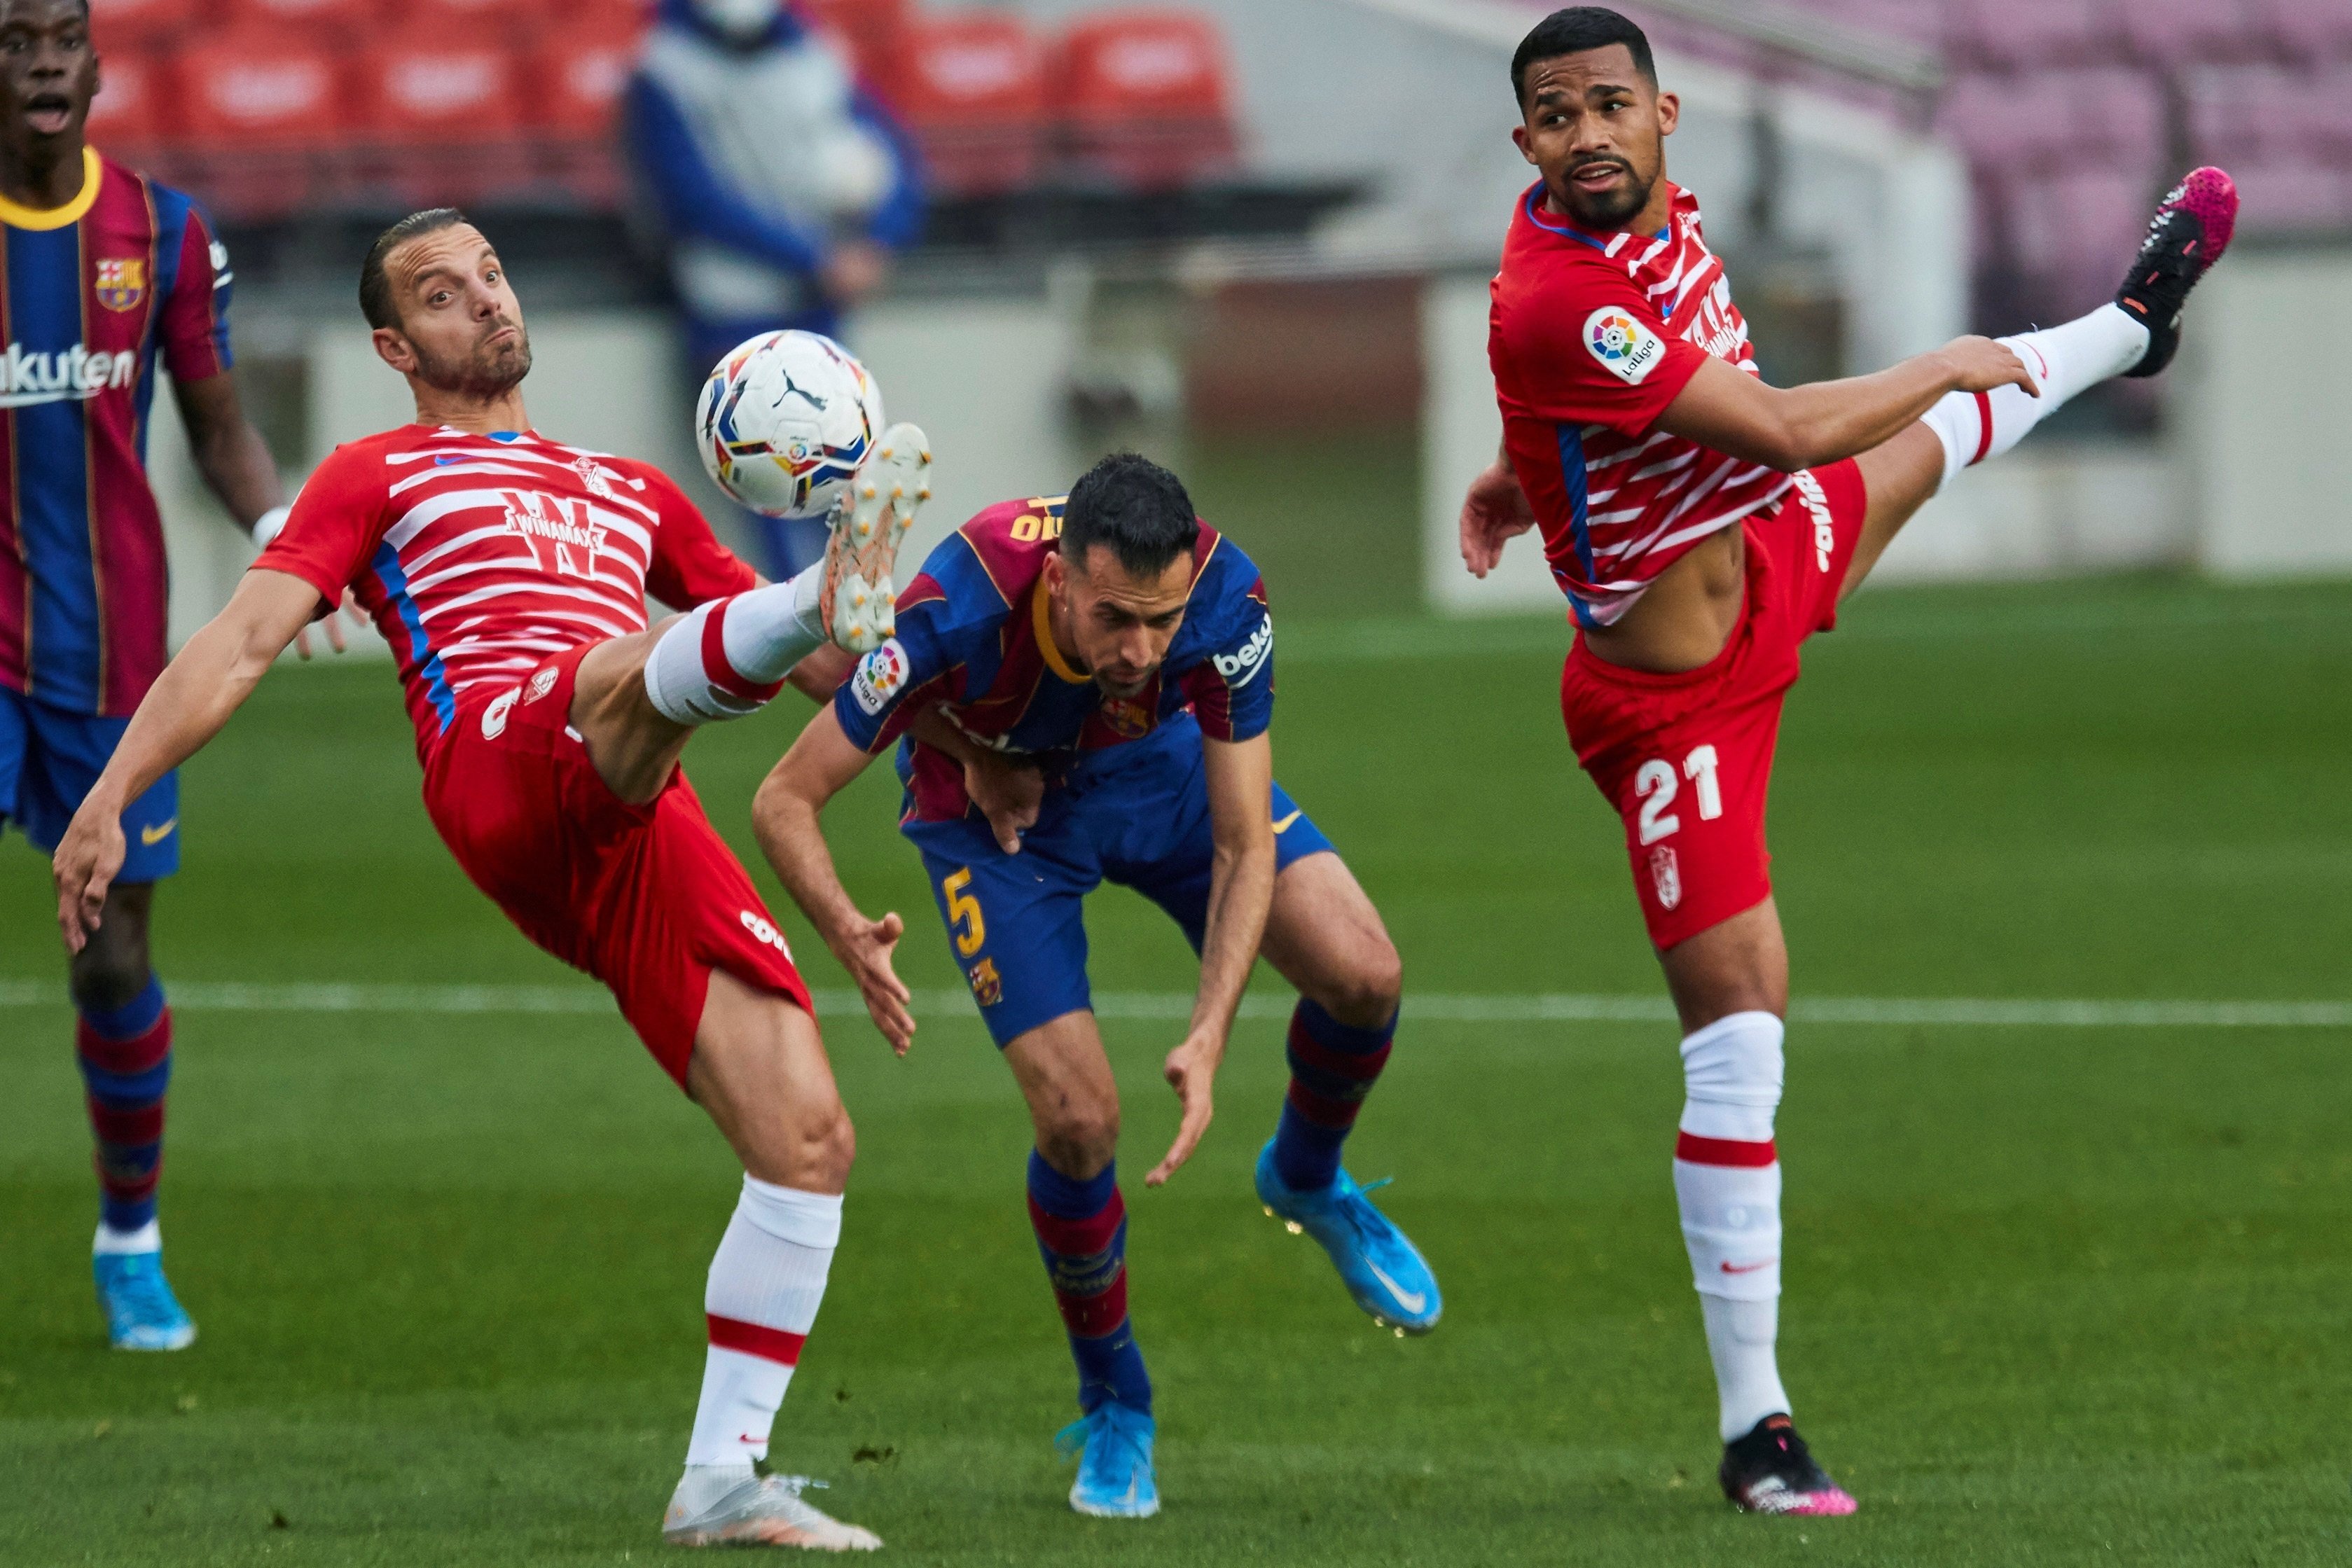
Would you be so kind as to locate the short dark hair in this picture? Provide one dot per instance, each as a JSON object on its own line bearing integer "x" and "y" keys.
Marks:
{"x": 376, "y": 302}
{"x": 1572, "y": 32}
{"x": 1136, "y": 510}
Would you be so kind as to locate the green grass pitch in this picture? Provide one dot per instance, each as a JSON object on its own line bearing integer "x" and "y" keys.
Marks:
{"x": 2057, "y": 1295}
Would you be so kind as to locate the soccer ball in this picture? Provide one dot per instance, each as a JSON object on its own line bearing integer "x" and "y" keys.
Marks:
{"x": 785, "y": 422}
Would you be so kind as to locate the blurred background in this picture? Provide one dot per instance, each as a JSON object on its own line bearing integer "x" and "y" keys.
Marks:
{"x": 1252, "y": 237}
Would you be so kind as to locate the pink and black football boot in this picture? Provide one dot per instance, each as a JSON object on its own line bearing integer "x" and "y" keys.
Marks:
{"x": 1770, "y": 1470}
{"x": 2190, "y": 230}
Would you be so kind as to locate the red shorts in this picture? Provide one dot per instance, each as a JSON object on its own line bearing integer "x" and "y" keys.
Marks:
{"x": 648, "y": 899}
{"x": 1687, "y": 760}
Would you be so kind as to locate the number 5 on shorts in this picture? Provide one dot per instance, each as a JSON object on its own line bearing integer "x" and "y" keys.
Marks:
{"x": 963, "y": 914}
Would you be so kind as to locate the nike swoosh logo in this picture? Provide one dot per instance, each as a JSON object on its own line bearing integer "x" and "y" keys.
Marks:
{"x": 1411, "y": 1301}
{"x": 1284, "y": 827}
{"x": 150, "y": 837}
{"x": 1747, "y": 1268}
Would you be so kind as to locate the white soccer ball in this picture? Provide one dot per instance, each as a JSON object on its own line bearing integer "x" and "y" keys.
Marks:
{"x": 785, "y": 422}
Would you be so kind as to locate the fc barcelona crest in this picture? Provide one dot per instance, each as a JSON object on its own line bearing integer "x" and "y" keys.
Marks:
{"x": 122, "y": 283}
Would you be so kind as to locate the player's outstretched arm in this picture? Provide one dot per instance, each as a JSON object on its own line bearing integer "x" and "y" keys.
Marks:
{"x": 1789, "y": 428}
{"x": 1241, "y": 894}
{"x": 185, "y": 708}
{"x": 1496, "y": 512}
{"x": 821, "y": 764}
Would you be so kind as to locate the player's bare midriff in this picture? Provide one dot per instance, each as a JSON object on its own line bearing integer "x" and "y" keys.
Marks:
{"x": 1686, "y": 616}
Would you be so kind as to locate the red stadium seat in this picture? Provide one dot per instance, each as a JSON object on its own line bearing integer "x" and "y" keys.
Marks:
{"x": 254, "y": 89}
{"x": 578, "y": 76}
{"x": 871, "y": 28}
{"x": 476, "y": 21}
{"x": 973, "y": 94}
{"x": 1147, "y": 97}
{"x": 116, "y": 24}
{"x": 434, "y": 87}
{"x": 128, "y": 110}
{"x": 337, "y": 19}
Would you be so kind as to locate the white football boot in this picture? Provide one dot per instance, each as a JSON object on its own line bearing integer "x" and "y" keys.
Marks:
{"x": 720, "y": 1505}
{"x": 860, "y": 603}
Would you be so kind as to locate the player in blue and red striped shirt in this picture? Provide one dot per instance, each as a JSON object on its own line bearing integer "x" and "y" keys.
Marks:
{"x": 101, "y": 271}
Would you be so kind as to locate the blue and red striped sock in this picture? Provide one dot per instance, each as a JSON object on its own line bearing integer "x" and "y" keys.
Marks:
{"x": 1332, "y": 1068}
{"x": 125, "y": 1054}
{"x": 1082, "y": 1235}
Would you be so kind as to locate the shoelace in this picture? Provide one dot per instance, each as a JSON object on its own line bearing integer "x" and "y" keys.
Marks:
{"x": 1357, "y": 1207}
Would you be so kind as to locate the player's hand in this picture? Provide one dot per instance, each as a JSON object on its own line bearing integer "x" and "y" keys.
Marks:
{"x": 1497, "y": 512}
{"x": 865, "y": 951}
{"x": 87, "y": 860}
{"x": 1192, "y": 1072}
{"x": 1979, "y": 364}
{"x": 1009, "y": 794}
{"x": 333, "y": 625}
{"x": 854, "y": 271}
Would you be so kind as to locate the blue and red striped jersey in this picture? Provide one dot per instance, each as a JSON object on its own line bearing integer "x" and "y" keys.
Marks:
{"x": 973, "y": 640}
{"x": 89, "y": 294}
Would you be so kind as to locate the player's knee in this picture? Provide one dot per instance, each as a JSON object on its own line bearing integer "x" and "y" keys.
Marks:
{"x": 1364, "y": 994}
{"x": 110, "y": 973}
{"x": 1080, "y": 1135}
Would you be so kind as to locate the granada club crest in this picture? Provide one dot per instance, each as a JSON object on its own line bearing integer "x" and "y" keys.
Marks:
{"x": 1666, "y": 875}
{"x": 121, "y": 282}
{"x": 562, "y": 533}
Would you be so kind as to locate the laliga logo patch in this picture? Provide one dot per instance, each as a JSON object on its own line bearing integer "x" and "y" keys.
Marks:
{"x": 1251, "y": 659}
{"x": 880, "y": 676}
{"x": 494, "y": 717}
{"x": 1626, "y": 349}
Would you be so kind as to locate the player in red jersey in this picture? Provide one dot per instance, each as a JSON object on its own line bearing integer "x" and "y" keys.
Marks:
{"x": 510, "y": 574}
{"x": 1703, "y": 525}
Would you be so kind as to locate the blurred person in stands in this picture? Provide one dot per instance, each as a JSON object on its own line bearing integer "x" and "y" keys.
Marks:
{"x": 780, "y": 184}
{"x": 106, "y": 269}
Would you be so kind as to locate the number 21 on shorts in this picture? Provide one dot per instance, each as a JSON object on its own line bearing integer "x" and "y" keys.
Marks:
{"x": 1658, "y": 785}
{"x": 964, "y": 919}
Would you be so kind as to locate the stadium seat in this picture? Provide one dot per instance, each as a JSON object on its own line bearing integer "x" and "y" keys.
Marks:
{"x": 2293, "y": 194}
{"x": 257, "y": 88}
{"x": 2181, "y": 35}
{"x": 2033, "y": 34}
{"x": 476, "y": 22}
{"x": 424, "y": 88}
{"x": 129, "y": 110}
{"x": 336, "y": 20}
{"x": 116, "y": 24}
{"x": 1147, "y": 97}
{"x": 578, "y": 75}
{"x": 2311, "y": 29}
{"x": 973, "y": 95}
{"x": 2073, "y": 233}
{"x": 871, "y": 28}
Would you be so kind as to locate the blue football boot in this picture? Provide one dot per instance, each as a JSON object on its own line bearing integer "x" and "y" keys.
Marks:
{"x": 1114, "y": 1449}
{"x": 1383, "y": 1271}
{"x": 141, "y": 1314}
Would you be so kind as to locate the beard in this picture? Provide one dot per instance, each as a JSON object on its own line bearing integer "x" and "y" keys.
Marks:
{"x": 482, "y": 371}
{"x": 1608, "y": 209}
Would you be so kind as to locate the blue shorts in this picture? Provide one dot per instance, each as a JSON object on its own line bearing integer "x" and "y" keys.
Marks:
{"x": 1137, "y": 815}
{"x": 49, "y": 761}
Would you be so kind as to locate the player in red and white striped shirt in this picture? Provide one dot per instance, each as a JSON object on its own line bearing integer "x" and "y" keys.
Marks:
{"x": 1703, "y": 525}
{"x": 510, "y": 573}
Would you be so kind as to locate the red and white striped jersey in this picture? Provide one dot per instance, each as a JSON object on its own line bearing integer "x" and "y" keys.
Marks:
{"x": 1591, "y": 336}
{"x": 480, "y": 557}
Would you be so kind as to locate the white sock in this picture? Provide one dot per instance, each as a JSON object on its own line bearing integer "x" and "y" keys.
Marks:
{"x": 729, "y": 658}
{"x": 1727, "y": 1187}
{"x": 2066, "y": 362}
{"x": 766, "y": 1282}
{"x": 110, "y": 1243}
